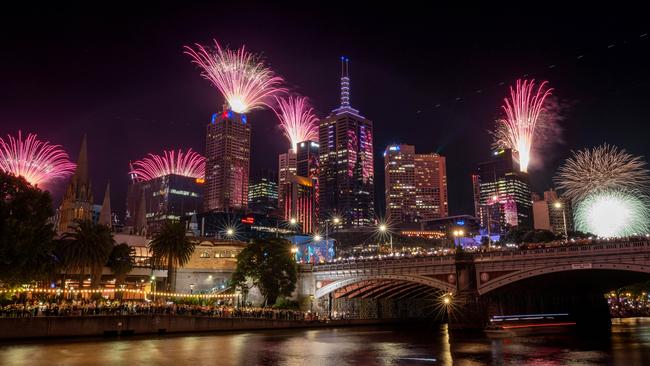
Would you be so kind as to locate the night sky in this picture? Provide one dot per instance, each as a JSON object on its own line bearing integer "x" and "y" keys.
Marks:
{"x": 434, "y": 78}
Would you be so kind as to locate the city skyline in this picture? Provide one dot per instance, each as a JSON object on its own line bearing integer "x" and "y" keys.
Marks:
{"x": 106, "y": 117}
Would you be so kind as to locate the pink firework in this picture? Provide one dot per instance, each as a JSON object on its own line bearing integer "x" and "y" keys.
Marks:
{"x": 189, "y": 164}
{"x": 522, "y": 109}
{"x": 243, "y": 79}
{"x": 39, "y": 162}
{"x": 297, "y": 119}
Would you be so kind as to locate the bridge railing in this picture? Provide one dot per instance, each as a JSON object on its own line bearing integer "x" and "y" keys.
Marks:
{"x": 386, "y": 263}
{"x": 570, "y": 250}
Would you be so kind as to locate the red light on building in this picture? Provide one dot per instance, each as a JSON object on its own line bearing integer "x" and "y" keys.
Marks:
{"x": 248, "y": 220}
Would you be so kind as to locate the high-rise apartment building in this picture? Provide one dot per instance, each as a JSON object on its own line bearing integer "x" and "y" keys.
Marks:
{"x": 286, "y": 168}
{"x": 553, "y": 213}
{"x": 299, "y": 199}
{"x": 263, "y": 193}
{"x": 346, "y": 172}
{"x": 503, "y": 192}
{"x": 227, "y": 162}
{"x": 415, "y": 185}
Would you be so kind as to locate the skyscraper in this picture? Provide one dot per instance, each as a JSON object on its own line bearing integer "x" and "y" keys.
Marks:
{"x": 169, "y": 197}
{"x": 346, "y": 178}
{"x": 307, "y": 159}
{"x": 415, "y": 185}
{"x": 77, "y": 201}
{"x": 504, "y": 193}
{"x": 299, "y": 202}
{"x": 286, "y": 169}
{"x": 227, "y": 162}
{"x": 263, "y": 193}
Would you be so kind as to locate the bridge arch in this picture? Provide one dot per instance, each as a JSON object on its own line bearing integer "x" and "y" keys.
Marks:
{"x": 540, "y": 271}
{"x": 413, "y": 279}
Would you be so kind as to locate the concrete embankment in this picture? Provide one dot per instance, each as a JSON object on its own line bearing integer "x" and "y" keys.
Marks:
{"x": 113, "y": 325}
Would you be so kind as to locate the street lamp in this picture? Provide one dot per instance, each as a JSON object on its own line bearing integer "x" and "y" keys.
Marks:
{"x": 317, "y": 238}
{"x": 294, "y": 250}
{"x": 457, "y": 234}
{"x": 559, "y": 205}
{"x": 384, "y": 230}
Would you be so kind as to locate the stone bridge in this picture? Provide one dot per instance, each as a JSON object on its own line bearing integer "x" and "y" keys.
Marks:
{"x": 467, "y": 275}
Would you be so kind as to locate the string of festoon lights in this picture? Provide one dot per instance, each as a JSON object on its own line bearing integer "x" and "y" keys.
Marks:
{"x": 112, "y": 290}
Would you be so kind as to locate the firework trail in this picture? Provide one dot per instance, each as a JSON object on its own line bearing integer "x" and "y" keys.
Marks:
{"x": 602, "y": 168}
{"x": 189, "y": 164}
{"x": 243, "y": 79}
{"x": 297, "y": 119}
{"x": 39, "y": 162}
{"x": 522, "y": 108}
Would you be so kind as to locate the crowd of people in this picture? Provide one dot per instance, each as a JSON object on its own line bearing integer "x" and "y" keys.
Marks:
{"x": 36, "y": 308}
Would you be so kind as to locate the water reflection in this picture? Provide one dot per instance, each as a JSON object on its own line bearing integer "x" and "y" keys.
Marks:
{"x": 627, "y": 344}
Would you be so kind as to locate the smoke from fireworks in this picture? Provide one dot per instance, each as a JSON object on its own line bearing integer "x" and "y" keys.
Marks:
{"x": 297, "y": 119}
{"x": 609, "y": 189}
{"x": 39, "y": 162}
{"x": 602, "y": 168}
{"x": 523, "y": 109}
{"x": 189, "y": 164}
{"x": 243, "y": 79}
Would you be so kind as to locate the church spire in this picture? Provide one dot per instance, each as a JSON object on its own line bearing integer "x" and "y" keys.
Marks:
{"x": 141, "y": 216}
{"x": 82, "y": 164}
{"x": 105, "y": 214}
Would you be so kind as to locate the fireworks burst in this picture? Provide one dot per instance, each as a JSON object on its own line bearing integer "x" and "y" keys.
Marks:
{"x": 189, "y": 164}
{"x": 522, "y": 109}
{"x": 602, "y": 168}
{"x": 242, "y": 78}
{"x": 39, "y": 162}
{"x": 297, "y": 119}
{"x": 612, "y": 214}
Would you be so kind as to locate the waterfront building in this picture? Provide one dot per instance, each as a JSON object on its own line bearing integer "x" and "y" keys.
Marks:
{"x": 552, "y": 212}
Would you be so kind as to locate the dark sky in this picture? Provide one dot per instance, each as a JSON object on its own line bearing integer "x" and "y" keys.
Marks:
{"x": 431, "y": 77}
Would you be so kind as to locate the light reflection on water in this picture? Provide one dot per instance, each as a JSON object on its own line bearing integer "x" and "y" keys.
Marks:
{"x": 628, "y": 343}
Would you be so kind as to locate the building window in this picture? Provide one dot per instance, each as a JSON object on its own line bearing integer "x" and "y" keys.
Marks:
{"x": 205, "y": 255}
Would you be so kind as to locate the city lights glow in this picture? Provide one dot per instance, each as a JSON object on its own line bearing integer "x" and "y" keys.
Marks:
{"x": 188, "y": 164}
{"x": 522, "y": 109}
{"x": 242, "y": 78}
{"x": 297, "y": 119}
{"x": 612, "y": 214}
{"x": 39, "y": 162}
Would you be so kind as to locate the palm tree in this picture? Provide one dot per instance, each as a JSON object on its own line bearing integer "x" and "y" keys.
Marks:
{"x": 120, "y": 261}
{"x": 171, "y": 247}
{"x": 87, "y": 247}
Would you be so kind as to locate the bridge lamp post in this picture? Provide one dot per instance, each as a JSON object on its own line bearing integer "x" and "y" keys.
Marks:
{"x": 384, "y": 229}
{"x": 457, "y": 234}
{"x": 558, "y": 205}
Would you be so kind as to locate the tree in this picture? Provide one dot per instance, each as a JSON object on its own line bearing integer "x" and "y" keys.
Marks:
{"x": 171, "y": 247}
{"x": 269, "y": 265}
{"x": 87, "y": 247}
{"x": 26, "y": 233}
{"x": 120, "y": 261}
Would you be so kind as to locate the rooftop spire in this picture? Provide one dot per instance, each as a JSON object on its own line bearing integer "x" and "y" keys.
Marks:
{"x": 105, "y": 213}
{"x": 345, "y": 82}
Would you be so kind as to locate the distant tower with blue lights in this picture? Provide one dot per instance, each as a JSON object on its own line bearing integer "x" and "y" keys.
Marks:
{"x": 346, "y": 172}
{"x": 227, "y": 162}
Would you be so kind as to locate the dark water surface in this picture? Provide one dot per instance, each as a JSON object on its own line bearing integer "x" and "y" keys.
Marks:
{"x": 628, "y": 343}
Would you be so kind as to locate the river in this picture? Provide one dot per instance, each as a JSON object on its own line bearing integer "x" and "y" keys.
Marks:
{"x": 628, "y": 343}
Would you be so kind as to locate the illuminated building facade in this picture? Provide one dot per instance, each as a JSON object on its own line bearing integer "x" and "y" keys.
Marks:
{"x": 299, "y": 199}
{"x": 169, "y": 197}
{"x": 307, "y": 166}
{"x": 77, "y": 201}
{"x": 263, "y": 193}
{"x": 415, "y": 185}
{"x": 551, "y": 213}
{"x": 346, "y": 173}
{"x": 227, "y": 162}
{"x": 504, "y": 195}
{"x": 286, "y": 168}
